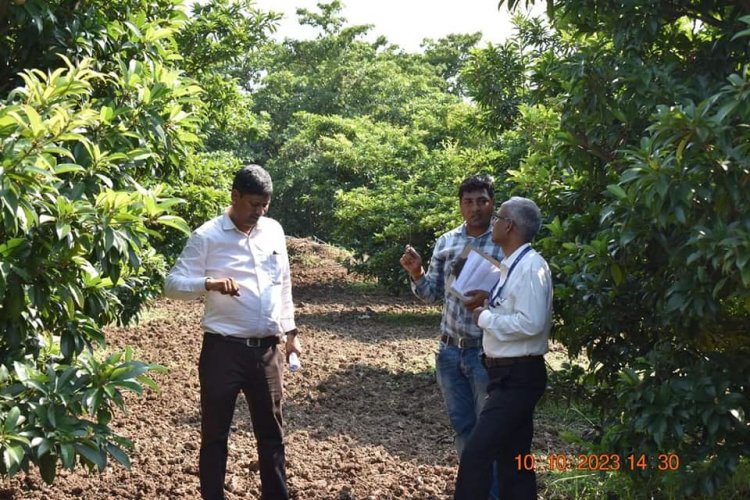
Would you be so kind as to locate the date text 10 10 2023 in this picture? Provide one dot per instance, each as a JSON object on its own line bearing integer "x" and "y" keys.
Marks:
{"x": 607, "y": 462}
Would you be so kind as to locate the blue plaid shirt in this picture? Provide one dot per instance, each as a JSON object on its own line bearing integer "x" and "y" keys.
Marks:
{"x": 431, "y": 287}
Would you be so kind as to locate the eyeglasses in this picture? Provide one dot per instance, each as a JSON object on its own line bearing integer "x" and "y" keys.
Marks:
{"x": 507, "y": 219}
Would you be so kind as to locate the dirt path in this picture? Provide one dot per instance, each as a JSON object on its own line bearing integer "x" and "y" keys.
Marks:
{"x": 364, "y": 417}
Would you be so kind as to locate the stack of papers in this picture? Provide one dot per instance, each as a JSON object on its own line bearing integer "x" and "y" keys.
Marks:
{"x": 478, "y": 272}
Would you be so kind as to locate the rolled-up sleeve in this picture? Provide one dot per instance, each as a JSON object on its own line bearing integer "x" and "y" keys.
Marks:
{"x": 431, "y": 287}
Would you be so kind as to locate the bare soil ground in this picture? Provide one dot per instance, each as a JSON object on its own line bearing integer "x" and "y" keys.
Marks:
{"x": 364, "y": 418}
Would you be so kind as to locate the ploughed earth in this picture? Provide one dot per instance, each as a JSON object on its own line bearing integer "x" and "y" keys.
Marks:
{"x": 363, "y": 417}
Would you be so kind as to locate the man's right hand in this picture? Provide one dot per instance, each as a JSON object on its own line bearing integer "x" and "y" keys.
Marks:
{"x": 478, "y": 312}
{"x": 225, "y": 286}
{"x": 412, "y": 263}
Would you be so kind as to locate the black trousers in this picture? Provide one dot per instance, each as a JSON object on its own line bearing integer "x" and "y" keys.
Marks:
{"x": 503, "y": 432}
{"x": 226, "y": 368}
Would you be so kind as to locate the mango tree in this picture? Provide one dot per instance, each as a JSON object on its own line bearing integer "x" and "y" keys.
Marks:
{"x": 84, "y": 145}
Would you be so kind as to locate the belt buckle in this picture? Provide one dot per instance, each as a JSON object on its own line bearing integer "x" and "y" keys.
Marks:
{"x": 464, "y": 342}
{"x": 252, "y": 342}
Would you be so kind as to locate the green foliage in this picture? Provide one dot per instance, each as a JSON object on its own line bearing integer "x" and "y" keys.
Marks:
{"x": 367, "y": 143}
{"x": 86, "y": 143}
{"x": 449, "y": 55}
{"x": 57, "y": 412}
{"x": 218, "y": 44}
{"x": 70, "y": 244}
{"x": 207, "y": 186}
{"x": 37, "y": 32}
{"x": 495, "y": 78}
{"x": 139, "y": 92}
{"x": 339, "y": 74}
{"x": 677, "y": 400}
{"x": 205, "y": 189}
{"x": 645, "y": 182}
{"x": 377, "y": 221}
{"x": 326, "y": 154}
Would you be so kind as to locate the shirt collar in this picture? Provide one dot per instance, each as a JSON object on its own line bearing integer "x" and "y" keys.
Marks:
{"x": 465, "y": 234}
{"x": 510, "y": 259}
{"x": 228, "y": 225}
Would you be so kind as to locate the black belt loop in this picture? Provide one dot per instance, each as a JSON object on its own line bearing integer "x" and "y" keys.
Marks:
{"x": 463, "y": 342}
{"x": 246, "y": 341}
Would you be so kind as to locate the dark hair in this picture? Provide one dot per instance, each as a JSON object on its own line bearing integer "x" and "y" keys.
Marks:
{"x": 477, "y": 183}
{"x": 252, "y": 179}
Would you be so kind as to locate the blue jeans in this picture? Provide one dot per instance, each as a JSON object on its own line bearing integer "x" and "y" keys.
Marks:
{"x": 463, "y": 381}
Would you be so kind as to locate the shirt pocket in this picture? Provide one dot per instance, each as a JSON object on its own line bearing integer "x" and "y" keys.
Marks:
{"x": 504, "y": 305}
{"x": 273, "y": 267}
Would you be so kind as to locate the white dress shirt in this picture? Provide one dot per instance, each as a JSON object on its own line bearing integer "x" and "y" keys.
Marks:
{"x": 519, "y": 322}
{"x": 258, "y": 262}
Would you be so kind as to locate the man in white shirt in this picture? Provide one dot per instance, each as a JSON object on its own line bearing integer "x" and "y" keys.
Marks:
{"x": 516, "y": 323}
{"x": 239, "y": 262}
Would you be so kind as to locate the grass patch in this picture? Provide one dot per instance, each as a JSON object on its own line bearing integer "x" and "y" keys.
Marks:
{"x": 577, "y": 485}
{"x": 739, "y": 486}
{"x": 365, "y": 287}
{"x": 575, "y": 419}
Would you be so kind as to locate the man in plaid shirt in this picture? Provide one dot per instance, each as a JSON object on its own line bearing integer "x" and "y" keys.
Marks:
{"x": 460, "y": 375}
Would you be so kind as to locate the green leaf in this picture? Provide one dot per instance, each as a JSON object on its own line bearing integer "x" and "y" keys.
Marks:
{"x": 93, "y": 454}
{"x": 64, "y": 168}
{"x": 174, "y": 222}
{"x": 630, "y": 377}
{"x": 41, "y": 444}
{"x": 35, "y": 121}
{"x": 48, "y": 467}
{"x": 132, "y": 386}
{"x": 118, "y": 454}
{"x": 93, "y": 400}
{"x": 62, "y": 230}
{"x": 106, "y": 114}
{"x": 13, "y": 456}
{"x": 617, "y": 191}
{"x": 128, "y": 371}
{"x": 617, "y": 274}
{"x": 58, "y": 151}
{"x": 8, "y": 246}
{"x": 740, "y": 34}
{"x": 679, "y": 213}
{"x": 149, "y": 382}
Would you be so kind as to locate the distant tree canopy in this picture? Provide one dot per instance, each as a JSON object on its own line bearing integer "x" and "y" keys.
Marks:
{"x": 352, "y": 119}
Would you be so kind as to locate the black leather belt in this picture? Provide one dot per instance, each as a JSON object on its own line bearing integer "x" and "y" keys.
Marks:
{"x": 463, "y": 342}
{"x": 495, "y": 362}
{"x": 247, "y": 341}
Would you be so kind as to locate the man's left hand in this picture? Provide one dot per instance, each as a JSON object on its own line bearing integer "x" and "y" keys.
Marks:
{"x": 292, "y": 344}
{"x": 478, "y": 297}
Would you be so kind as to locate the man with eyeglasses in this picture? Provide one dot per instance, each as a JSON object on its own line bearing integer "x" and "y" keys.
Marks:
{"x": 516, "y": 322}
{"x": 460, "y": 375}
